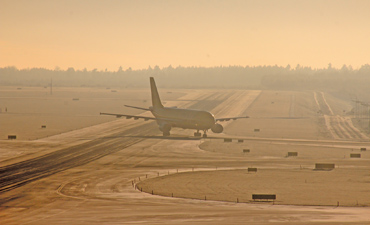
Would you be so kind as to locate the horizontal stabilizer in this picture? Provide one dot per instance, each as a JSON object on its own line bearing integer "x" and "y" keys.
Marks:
{"x": 231, "y": 118}
{"x": 135, "y": 107}
{"x": 282, "y": 118}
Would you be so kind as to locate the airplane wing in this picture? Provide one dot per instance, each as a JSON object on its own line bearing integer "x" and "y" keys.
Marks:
{"x": 140, "y": 117}
{"x": 130, "y": 116}
{"x": 231, "y": 118}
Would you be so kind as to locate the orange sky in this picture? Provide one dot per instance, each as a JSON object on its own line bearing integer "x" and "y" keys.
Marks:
{"x": 108, "y": 34}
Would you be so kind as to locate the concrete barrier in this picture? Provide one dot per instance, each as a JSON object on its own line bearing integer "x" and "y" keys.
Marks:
{"x": 12, "y": 137}
{"x": 292, "y": 154}
{"x": 43, "y": 126}
{"x": 355, "y": 155}
{"x": 251, "y": 169}
{"x": 324, "y": 166}
{"x": 363, "y": 149}
{"x": 240, "y": 141}
{"x": 246, "y": 150}
{"x": 263, "y": 197}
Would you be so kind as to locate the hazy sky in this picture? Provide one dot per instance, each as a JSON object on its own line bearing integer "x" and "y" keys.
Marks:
{"x": 108, "y": 34}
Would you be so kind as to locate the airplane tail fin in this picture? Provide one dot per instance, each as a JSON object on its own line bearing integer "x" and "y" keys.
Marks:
{"x": 156, "y": 101}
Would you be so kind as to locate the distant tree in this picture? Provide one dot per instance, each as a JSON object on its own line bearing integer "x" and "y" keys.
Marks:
{"x": 344, "y": 68}
{"x": 364, "y": 70}
{"x": 330, "y": 66}
{"x": 70, "y": 70}
{"x": 256, "y": 77}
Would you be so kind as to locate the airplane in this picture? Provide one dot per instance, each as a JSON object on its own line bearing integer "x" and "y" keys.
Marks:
{"x": 169, "y": 117}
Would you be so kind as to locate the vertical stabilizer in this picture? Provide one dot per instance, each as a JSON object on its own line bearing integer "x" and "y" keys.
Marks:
{"x": 156, "y": 101}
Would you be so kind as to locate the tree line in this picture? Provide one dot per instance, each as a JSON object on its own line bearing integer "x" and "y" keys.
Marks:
{"x": 249, "y": 77}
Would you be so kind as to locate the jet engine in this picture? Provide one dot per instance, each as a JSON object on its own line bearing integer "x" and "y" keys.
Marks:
{"x": 165, "y": 127}
{"x": 217, "y": 128}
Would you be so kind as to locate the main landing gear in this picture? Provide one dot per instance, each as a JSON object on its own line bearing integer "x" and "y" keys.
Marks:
{"x": 198, "y": 134}
{"x": 166, "y": 134}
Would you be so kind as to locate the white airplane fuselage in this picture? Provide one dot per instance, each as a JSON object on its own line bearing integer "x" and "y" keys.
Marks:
{"x": 184, "y": 118}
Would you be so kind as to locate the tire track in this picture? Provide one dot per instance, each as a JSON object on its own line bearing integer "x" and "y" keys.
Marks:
{"x": 348, "y": 127}
{"x": 338, "y": 126}
{"x": 19, "y": 174}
